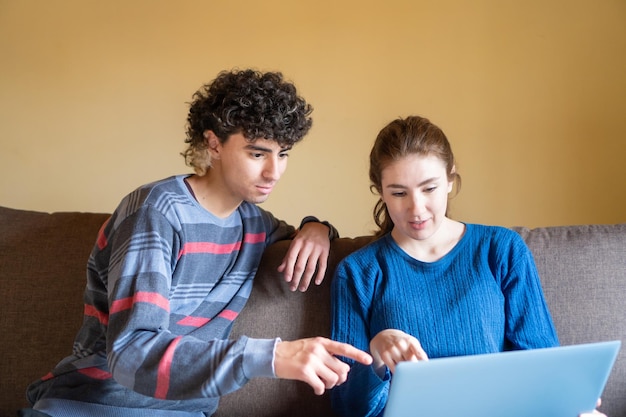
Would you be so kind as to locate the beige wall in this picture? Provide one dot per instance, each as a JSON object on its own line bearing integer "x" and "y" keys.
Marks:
{"x": 532, "y": 95}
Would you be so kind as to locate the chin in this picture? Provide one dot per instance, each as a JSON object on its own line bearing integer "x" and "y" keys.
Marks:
{"x": 257, "y": 199}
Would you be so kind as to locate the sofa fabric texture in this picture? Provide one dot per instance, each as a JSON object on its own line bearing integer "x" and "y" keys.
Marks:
{"x": 43, "y": 258}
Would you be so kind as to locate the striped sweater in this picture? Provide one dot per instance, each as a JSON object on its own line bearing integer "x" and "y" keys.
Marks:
{"x": 165, "y": 280}
{"x": 483, "y": 296}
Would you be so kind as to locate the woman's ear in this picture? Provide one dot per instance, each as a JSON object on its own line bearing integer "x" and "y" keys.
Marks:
{"x": 452, "y": 175}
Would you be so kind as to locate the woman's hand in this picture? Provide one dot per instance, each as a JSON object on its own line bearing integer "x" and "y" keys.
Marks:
{"x": 594, "y": 413}
{"x": 391, "y": 346}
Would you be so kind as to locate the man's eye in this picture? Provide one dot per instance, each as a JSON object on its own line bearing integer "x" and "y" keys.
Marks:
{"x": 283, "y": 155}
{"x": 257, "y": 155}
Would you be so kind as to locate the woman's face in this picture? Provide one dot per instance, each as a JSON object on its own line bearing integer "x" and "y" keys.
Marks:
{"x": 415, "y": 190}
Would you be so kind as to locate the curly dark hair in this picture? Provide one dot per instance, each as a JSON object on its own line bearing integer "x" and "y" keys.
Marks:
{"x": 256, "y": 104}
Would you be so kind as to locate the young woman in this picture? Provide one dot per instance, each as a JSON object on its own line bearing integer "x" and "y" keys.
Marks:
{"x": 429, "y": 286}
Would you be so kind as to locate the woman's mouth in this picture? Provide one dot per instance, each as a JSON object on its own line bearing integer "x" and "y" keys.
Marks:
{"x": 418, "y": 224}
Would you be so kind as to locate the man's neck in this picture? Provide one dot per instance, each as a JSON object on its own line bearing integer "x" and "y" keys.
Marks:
{"x": 211, "y": 194}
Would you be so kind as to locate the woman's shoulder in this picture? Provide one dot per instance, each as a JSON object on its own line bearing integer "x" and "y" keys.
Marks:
{"x": 368, "y": 255}
{"x": 362, "y": 267}
{"x": 374, "y": 245}
{"x": 499, "y": 239}
{"x": 492, "y": 232}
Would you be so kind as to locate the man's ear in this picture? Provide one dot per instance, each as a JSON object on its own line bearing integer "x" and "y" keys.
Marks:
{"x": 213, "y": 143}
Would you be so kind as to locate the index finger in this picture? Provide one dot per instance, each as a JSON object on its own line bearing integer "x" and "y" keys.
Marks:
{"x": 349, "y": 351}
{"x": 417, "y": 350}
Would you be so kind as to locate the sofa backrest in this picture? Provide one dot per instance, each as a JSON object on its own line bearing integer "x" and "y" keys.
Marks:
{"x": 583, "y": 274}
{"x": 42, "y": 276}
{"x": 274, "y": 311}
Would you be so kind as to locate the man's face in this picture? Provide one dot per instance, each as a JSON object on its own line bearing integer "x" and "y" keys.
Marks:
{"x": 250, "y": 170}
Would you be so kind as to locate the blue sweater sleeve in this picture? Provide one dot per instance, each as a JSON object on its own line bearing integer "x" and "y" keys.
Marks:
{"x": 528, "y": 321}
{"x": 364, "y": 393}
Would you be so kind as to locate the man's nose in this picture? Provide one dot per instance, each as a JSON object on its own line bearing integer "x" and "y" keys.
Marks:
{"x": 272, "y": 169}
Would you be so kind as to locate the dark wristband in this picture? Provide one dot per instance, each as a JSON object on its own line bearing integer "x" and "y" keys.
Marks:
{"x": 332, "y": 232}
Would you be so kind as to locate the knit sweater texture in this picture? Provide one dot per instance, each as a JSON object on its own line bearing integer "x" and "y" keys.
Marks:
{"x": 165, "y": 280}
{"x": 484, "y": 296}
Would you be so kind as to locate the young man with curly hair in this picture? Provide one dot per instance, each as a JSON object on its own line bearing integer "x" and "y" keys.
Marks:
{"x": 173, "y": 267}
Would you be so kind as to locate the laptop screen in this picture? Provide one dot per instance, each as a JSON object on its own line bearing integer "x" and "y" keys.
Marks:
{"x": 551, "y": 382}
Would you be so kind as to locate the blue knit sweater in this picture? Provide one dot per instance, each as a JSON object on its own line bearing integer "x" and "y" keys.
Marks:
{"x": 483, "y": 296}
{"x": 165, "y": 280}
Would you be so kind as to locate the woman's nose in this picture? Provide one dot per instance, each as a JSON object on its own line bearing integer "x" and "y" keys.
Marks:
{"x": 417, "y": 205}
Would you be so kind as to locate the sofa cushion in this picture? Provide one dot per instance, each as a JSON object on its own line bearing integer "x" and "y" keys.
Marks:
{"x": 274, "y": 311}
{"x": 42, "y": 280}
{"x": 582, "y": 270}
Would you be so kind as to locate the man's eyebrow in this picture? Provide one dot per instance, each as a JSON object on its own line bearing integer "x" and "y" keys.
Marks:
{"x": 255, "y": 147}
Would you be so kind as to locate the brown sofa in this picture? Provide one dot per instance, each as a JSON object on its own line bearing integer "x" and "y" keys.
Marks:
{"x": 42, "y": 274}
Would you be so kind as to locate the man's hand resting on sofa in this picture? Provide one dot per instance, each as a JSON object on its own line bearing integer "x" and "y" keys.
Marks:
{"x": 307, "y": 256}
{"x": 314, "y": 361}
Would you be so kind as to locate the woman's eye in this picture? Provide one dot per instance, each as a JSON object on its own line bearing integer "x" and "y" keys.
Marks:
{"x": 430, "y": 189}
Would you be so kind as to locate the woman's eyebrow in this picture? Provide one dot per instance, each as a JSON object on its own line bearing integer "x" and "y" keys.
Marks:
{"x": 396, "y": 186}
{"x": 426, "y": 181}
{"x": 429, "y": 180}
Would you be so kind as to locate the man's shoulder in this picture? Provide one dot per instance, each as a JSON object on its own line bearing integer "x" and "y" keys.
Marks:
{"x": 172, "y": 183}
{"x": 157, "y": 196}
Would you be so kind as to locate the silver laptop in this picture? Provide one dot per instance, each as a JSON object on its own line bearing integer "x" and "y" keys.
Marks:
{"x": 551, "y": 382}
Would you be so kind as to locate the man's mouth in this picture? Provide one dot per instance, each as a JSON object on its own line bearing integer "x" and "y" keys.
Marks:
{"x": 265, "y": 189}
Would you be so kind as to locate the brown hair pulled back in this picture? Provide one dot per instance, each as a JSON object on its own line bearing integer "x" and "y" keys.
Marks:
{"x": 400, "y": 138}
